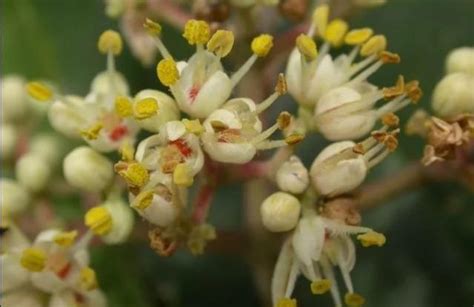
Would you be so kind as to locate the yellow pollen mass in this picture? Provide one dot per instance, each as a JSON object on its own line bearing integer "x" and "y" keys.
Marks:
{"x": 196, "y": 32}
{"x": 358, "y": 36}
{"x": 221, "y": 43}
{"x": 99, "y": 220}
{"x": 287, "y": 302}
{"x": 110, "y": 41}
{"x": 262, "y": 44}
{"x": 135, "y": 174}
{"x": 143, "y": 200}
{"x": 127, "y": 151}
{"x": 193, "y": 126}
{"x": 354, "y": 300}
{"x": 374, "y": 45}
{"x": 145, "y": 108}
{"x": 182, "y": 175}
{"x": 123, "y": 106}
{"x": 65, "y": 238}
{"x": 335, "y": 32}
{"x": 167, "y": 72}
{"x": 307, "y": 47}
{"x": 320, "y": 18}
{"x": 88, "y": 279}
{"x": 92, "y": 132}
{"x": 321, "y": 286}
{"x": 39, "y": 91}
{"x": 371, "y": 238}
{"x": 33, "y": 259}
{"x": 153, "y": 28}
{"x": 414, "y": 91}
{"x": 284, "y": 120}
{"x": 294, "y": 139}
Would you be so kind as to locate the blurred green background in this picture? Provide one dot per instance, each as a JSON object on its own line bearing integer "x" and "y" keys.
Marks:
{"x": 429, "y": 257}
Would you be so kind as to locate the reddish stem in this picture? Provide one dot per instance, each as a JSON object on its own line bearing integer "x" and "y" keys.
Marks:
{"x": 170, "y": 12}
{"x": 203, "y": 202}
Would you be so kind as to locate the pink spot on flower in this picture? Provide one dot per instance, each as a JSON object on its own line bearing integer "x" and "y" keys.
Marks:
{"x": 183, "y": 148}
{"x": 62, "y": 273}
{"x": 118, "y": 132}
{"x": 193, "y": 92}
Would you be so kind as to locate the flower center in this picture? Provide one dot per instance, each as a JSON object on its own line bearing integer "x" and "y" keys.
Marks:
{"x": 118, "y": 132}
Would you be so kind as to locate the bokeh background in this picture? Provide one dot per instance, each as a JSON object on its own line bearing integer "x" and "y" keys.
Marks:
{"x": 429, "y": 257}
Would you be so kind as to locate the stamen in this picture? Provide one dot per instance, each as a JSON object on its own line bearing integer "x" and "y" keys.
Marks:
{"x": 335, "y": 32}
{"x": 143, "y": 200}
{"x": 193, "y": 126}
{"x": 262, "y": 44}
{"x": 414, "y": 91}
{"x": 361, "y": 65}
{"x": 240, "y": 73}
{"x": 394, "y": 91}
{"x": 145, "y": 108}
{"x": 389, "y": 58}
{"x": 294, "y": 139}
{"x": 88, "y": 279}
{"x": 153, "y": 28}
{"x": 99, "y": 220}
{"x": 110, "y": 42}
{"x": 182, "y": 175}
{"x": 135, "y": 174}
{"x": 33, "y": 259}
{"x": 167, "y": 72}
{"x": 280, "y": 89}
{"x": 390, "y": 120}
{"x": 286, "y": 302}
{"x": 372, "y": 163}
{"x": 354, "y": 300}
{"x": 372, "y": 238}
{"x": 92, "y": 133}
{"x": 320, "y": 286}
{"x": 320, "y": 20}
{"x": 127, "y": 151}
{"x": 358, "y": 36}
{"x": 329, "y": 274}
{"x": 374, "y": 45}
{"x": 346, "y": 277}
{"x": 123, "y": 106}
{"x": 65, "y": 239}
{"x": 284, "y": 120}
{"x": 307, "y": 47}
{"x": 197, "y": 32}
{"x": 366, "y": 73}
{"x": 221, "y": 43}
{"x": 39, "y": 91}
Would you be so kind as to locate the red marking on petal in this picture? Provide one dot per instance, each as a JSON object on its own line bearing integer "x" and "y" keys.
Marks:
{"x": 118, "y": 132}
{"x": 193, "y": 92}
{"x": 79, "y": 298}
{"x": 183, "y": 148}
{"x": 63, "y": 272}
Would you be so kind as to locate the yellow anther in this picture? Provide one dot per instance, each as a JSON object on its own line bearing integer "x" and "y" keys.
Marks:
{"x": 221, "y": 43}
{"x": 414, "y": 91}
{"x": 193, "y": 126}
{"x": 321, "y": 286}
{"x": 335, "y": 32}
{"x": 65, "y": 238}
{"x": 390, "y": 120}
{"x": 374, "y": 45}
{"x": 286, "y": 302}
{"x": 99, "y": 220}
{"x": 320, "y": 18}
{"x": 354, "y": 300}
{"x": 167, "y": 72}
{"x": 143, "y": 200}
{"x": 92, "y": 132}
{"x": 371, "y": 238}
{"x": 88, "y": 279}
{"x": 262, "y": 44}
{"x": 358, "y": 36}
{"x": 135, "y": 174}
{"x": 33, "y": 259}
{"x": 127, "y": 151}
{"x": 182, "y": 175}
{"x": 110, "y": 41}
{"x": 284, "y": 120}
{"x": 196, "y": 32}
{"x": 307, "y": 47}
{"x": 389, "y": 57}
{"x": 145, "y": 108}
{"x": 123, "y": 106}
{"x": 281, "y": 88}
{"x": 153, "y": 28}
{"x": 39, "y": 91}
{"x": 294, "y": 139}
{"x": 394, "y": 91}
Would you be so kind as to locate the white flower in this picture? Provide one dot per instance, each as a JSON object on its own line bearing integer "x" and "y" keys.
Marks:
{"x": 292, "y": 176}
{"x": 15, "y": 198}
{"x": 33, "y": 172}
{"x": 86, "y": 169}
{"x": 453, "y": 95}
{"x": 460, "y": 60}
{"x": 14, "y": 99}
{"x": 280, "y": 212}
{"x": 341, "y": 167}
{"x": 8, "y": 140}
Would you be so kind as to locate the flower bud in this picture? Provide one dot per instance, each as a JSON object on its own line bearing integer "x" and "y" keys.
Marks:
{"x": 167, "y": 110}
{"x": 454, "y": 95}
{"x": 280, "y": 212}
{"x": 88, "y": 170}
{"x": 15, "y": 198}
{"x": 33, "y": 172}
{"x": 292, "y": 176}
{"x": 48, "y": 147}
{"x": 8, "y": 141}
{"x": 100, "y": 86}
{"x": 337, "y": 169}
{"x": 14, "y": 99}
{"x": 156, "y": 206}
{"x": 122, "y": 221}
{"x": 68, "y": 117}
{"x": 460, "y": 60}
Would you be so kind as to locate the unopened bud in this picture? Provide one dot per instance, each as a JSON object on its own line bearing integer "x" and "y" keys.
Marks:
{"x": 292, "y": 176}
{"x": 460, "y": 60}
{"x": 33, "y": 172}
{"x": 280, "y": 212}
{"x": 8, "y": 141}
{"x": 454, "y": 95}
{"x": 15, "y": 198}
